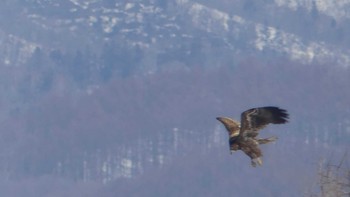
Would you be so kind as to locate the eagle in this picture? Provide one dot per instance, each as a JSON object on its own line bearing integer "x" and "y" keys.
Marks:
{"x": 243, "y": 135}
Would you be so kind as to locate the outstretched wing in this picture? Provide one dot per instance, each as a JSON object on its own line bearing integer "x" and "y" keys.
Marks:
{"x": 255, "y": 119}
{"x": 231, "y": 126}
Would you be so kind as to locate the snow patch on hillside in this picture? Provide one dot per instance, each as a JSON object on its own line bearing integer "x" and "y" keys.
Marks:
{"x": 10, "y": 55}
{"x": 271, "y": 38}
{"x": 337, "y": 9}
{"x": 267, "y": 37}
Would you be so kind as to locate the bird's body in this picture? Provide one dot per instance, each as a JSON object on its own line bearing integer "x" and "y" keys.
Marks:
{"x": 242, "y": 135}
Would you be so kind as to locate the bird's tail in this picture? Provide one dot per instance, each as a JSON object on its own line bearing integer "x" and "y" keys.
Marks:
{"x": 267, "y": 140}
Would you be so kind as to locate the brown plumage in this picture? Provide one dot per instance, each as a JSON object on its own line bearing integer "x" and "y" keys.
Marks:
{"x": 242, "y": 135}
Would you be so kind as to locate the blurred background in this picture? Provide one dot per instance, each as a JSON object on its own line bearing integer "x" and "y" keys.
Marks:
{"x": 119, "y": 98}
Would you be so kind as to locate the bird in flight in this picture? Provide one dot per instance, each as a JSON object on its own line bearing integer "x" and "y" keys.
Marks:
{"x": 243, "y": 135}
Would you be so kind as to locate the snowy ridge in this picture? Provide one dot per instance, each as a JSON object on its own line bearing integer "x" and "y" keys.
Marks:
{"x": 266, "y": 37}
{"x": 145, "y": 24}
{"x": 271, "y": 38}
{"x": 338, "y": 9}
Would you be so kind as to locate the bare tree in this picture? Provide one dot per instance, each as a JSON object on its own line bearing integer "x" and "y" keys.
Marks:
{"x": 334, "y": 180}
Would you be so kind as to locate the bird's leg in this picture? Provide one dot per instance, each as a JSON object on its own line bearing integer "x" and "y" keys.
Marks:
{"x": 259, "y": 161}
{"x": 256, "y": 161}
{"x": 253, "y": 163}
{"x": 267, "y": 140}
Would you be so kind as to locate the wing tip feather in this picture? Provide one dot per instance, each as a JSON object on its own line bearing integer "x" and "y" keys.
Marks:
{"x": 280, "y": 115}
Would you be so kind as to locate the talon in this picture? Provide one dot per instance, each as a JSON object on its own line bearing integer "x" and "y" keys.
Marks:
{"x": 259, "y": 161}
{"x": 256, "y": 161}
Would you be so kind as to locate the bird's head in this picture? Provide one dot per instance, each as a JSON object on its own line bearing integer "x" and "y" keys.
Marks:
{"x": 234, "y": 148}
{"x": 219, "y": 118}
{"x": 227, "y": 121}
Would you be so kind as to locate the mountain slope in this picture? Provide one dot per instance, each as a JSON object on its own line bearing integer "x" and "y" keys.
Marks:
{"x": 173, "y": 26}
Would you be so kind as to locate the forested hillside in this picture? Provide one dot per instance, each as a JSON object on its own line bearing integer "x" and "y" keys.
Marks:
{"x": 119, "y": 98}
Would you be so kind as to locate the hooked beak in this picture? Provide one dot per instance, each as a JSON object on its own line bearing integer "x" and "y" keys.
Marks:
{"x": 219, "y": 119}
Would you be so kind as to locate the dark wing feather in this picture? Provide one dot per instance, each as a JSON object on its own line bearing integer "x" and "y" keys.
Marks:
{"x": 256, "y": 119}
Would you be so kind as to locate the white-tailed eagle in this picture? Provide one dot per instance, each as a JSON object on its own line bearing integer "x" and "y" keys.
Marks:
{"x": 242, "y": 135}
